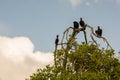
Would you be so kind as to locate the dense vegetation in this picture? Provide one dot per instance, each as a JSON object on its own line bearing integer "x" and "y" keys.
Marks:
{"x": 84, "y": 61}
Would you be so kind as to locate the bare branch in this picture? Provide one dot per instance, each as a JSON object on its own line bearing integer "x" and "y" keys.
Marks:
{"x": 85, "y": 36}
{"x": 92, "y": 33}
{"x": 65, "y": 32}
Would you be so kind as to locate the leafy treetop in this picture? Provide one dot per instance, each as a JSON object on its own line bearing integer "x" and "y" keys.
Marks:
{"x": 84, "y": 61}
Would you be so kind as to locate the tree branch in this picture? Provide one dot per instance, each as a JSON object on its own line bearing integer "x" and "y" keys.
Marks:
{"x": 92, "y": 33}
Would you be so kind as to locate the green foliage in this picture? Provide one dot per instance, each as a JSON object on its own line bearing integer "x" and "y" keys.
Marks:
{"x": 86, "y": 62}
{"x": 83, "y": 61}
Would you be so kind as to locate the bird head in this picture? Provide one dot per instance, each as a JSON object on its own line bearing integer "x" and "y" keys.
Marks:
{"x": 57, "y": 36}
{"x": 80, "y": 18}
{"x": 76, "y": 23}
{"x": 98, "y": 27}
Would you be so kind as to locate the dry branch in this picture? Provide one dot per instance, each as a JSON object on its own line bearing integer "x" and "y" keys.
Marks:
{"x": 92, "y": 33}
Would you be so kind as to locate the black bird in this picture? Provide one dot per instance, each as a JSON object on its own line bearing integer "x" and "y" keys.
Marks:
{"x": 76, "y": 24}
{"x": 56, "y": 41}
{"x": 82, "y": 24}
{"x": 99, "y": 31}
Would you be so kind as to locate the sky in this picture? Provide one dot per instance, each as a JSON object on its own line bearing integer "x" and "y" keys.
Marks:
{"x": 28, "y": 29}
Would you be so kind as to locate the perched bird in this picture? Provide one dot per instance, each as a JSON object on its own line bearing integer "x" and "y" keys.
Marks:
{"x": 56, "y": 41}
{"x": 98, "y": 31}
{"x": 76, "y": 26}
{"x": 82, "y": 24}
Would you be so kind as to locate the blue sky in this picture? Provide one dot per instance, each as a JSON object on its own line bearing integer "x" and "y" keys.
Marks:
{"x": 28, "y": 29}
{"x": 42, "y": 20}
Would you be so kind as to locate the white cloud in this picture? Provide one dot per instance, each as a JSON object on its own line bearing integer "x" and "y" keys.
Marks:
{"x": 18, "y": 59}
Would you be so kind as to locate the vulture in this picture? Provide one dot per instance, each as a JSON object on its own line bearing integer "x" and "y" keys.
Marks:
{"x": 99, "y": 31}
{"x": 82, "y": 24}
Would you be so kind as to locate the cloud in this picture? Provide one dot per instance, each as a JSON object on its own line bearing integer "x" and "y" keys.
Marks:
{"x": 18, "y": 59}
{"x": 75, "y": 2}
